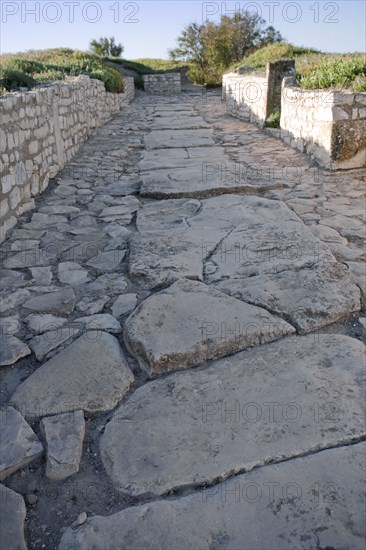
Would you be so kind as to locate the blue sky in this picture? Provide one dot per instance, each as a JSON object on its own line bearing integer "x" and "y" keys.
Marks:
{"x": 149, "y": 28}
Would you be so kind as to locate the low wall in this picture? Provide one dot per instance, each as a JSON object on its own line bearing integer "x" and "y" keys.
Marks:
{"x": 42, "y": 130}
{"x": 162, "y": 84}
{"x": 253, "y": 97}
{"x": 328, "y": 125}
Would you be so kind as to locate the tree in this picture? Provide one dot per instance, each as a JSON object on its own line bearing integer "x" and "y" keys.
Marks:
{"x": 106, "y": 47}
{"x": 212, "y": 47}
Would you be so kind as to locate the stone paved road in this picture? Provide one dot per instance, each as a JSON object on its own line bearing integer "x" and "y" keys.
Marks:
{"x": 180, "y": 239}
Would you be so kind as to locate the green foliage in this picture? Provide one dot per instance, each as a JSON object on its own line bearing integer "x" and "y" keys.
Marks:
{"x": 335, "y": 72}
{"x": 106, "y": 47}
{"x": 273, "y": 121}
{"x": 212, "y": 47}
{"x": 273, "y": 52}
{"x": 37, "y": 67}
{"x": 11, "y": 79}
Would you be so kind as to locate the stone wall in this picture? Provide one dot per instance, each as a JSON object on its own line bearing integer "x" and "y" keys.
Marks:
{"x": 162, "y": 84}
{"x": 328, "y": 125}
{"x": 253, "y": 97}
{"x": 42, "y": 130}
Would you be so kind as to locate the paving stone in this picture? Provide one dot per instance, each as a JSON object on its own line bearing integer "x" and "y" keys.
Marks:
{"x": 60, "y": 302}
{"x": 107, "y": 261}
{"x": 210, "y": 325}
{"x": 64, "y": 435}
{"x": 309, "y": 299}
{"x": 45, "y": 343}
{"x": 158, "y": 258}
{"x": 123, "y": 212}
{"x": 181, "y": 122}
{"x": 42, "y": 275}
{"x": 200, "y": 180}
{"x": 358, "y": 272}
{"x": 102, "y": 321}
{"x": 91, "y": 306}
{"x": 19, "y": 445}
{"x": 9, "y": 326}
{"x": 12, "y": 349}
{"x": 113, "y": 283}
{"x": 72, "y": 273}
{"x": 166, "y": 215}
{"x": 12, "y": 518}
{"x": 273, "y": 402}
{"x": 11, "y": 279}
{"x": 59, "y": 384}
{"x": 39, "y": 323}
{"x": 28, "y": 258}
{"x": 303, "y": 503}
{"x": 8, "y": 302}
{"x": 124, "y": 304}
{"x": 158, "y": 139}
{"x": 362, "y": 320}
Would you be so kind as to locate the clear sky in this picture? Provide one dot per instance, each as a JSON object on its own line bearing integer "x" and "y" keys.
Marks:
{"x": 149, "y": 28}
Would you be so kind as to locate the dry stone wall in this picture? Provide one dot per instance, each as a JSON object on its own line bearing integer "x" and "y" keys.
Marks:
{"x": 42, "y": 130}
{"x": 162, "y": 84}
{"x": 328, "y": 125}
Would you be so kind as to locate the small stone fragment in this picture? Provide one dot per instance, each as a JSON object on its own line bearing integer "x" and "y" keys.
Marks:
{"x": 124, "y": 304}
{"x": 12, "y": 517}
{"x": 61, "y": 302}
{"x": 18, "y": 443}
{"x": 12, "y": 349}
{"x": 64, "y": 435}
{"x": 103, "y": 321}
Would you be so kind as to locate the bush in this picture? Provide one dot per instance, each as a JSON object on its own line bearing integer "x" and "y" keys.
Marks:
{"x": 273, "y": 121}
{"x": 112, "y": 79}
{"x": 335, "y": 73}
{"x": 11, "y": 79}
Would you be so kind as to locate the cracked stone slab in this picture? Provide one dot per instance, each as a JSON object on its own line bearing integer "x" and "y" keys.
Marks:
{"x": 44, "y": 344}
{"x": 11, "y": 301}
{"x": 315, "y": 501}
{"x": 12, "y": 349}
{"x": 167, "y": 215}
{"x": 19, "y": 445}
{"x": 122, "y": 212}
{"x": 210, "y": 324}
{"x": 60, "y": 302}
{"x": 158, "y": 139}
{"x": 64, "y": 435}
{"x": 124, "y": 304}
{"x": 309, "y": 298}
{"x": 179, "y": 157}
{"x": 202, "y": 179}
{"x": 256, "y": 248}
{"x": 72, "y": 273}
{"x": 59, "y": 384}
{"x": 273, "y": 402}
{"x": 12, "y": 518}
{"x": 161, "y": 257}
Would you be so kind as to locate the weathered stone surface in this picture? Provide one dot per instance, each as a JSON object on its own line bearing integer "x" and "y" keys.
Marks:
{"x": 60, "y": 384}
{"x": 44, "y": 344}
{"x": 12, "y": 349}
{"x": 9, "y": 326}
{"x": 12, "y": 517}
{"x": 309, "y": 298}
{"x": 102, "y": 321}
{"x": 124, "y": 304}
{"x": 304, "y": 503}
{"x": 11, "y": 279}
{"x": 42, "y": 275}
{"x": 18, "y": 445}
{"x": 60, "y": 302}
{"x": 72, "y": 273}
{"x": 107, "y": 261}
{"x": 181, "y": 122}
{"x": 273, "y": 402}
{"x": 167, "y": 215}
{"x": 160, "y": 257}
{"x": 91, "y": 306}
{"x": 43, "y": 323}
{"x": 158, "y": 139}
{"x": 122, "y": 212}
{"x": 201, "y": 179}
{"x": 11, "y": 301}
{"x": 210, "y": 324}
{"x": 64, "y": 435}
{"x": 358, "y": 272}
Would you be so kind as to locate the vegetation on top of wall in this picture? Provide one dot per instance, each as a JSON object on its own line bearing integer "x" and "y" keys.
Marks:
{"x": 39, "y": 67}
{"x": 314, "y": 69}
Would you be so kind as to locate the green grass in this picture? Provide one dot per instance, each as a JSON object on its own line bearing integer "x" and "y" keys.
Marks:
{"x": 314, "y": 69}
{"x": 38, "y": 67}
{"x": 27, "y": 69}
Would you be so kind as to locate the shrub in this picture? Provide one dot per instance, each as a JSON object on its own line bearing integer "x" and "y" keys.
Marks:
{"x": 335, "y": 73}
{"x": 11, "y": 79}
{"x": 273, "y": 121}
{"x": 112, "y": 79}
